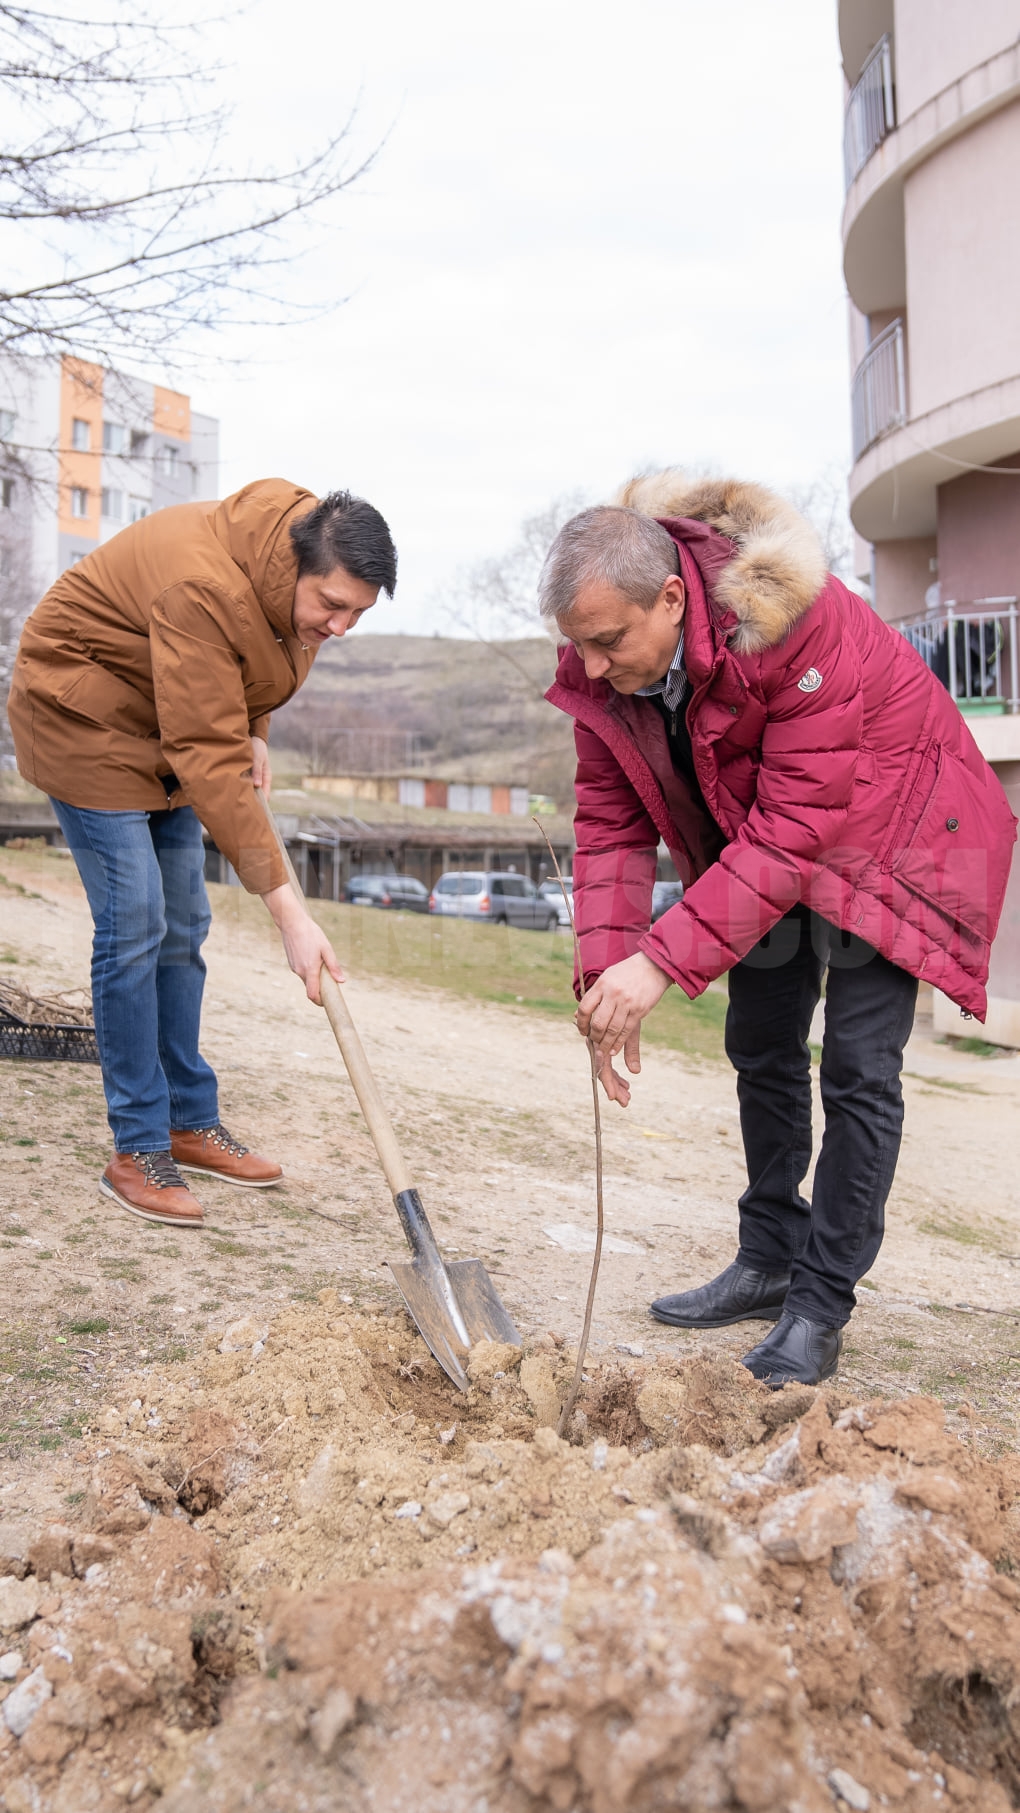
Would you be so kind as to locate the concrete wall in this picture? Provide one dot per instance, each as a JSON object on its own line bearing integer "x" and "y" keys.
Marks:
{"x": 30, "y": 388}
{"x": 205, "y": 455}
{"x": 962, "y": 226}
{"x": 45, "y": 395}
{"x": 935, "y": 41}
{"x": 979, "y": 534}
{"x": 902, "y": 576}
{"x": 128, "y": 403}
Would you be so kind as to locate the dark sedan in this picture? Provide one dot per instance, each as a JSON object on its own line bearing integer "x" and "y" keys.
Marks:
{"x": 393, "y": 893}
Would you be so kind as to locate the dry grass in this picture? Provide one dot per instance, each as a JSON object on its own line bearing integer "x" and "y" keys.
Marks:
{"x": 532, "y": 970}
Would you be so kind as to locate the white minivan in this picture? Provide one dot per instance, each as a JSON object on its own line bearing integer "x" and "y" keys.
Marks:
{"x": 499, "y": 896}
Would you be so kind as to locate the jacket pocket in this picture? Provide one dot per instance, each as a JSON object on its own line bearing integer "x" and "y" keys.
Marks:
{"x": 96, "y": 696}
{"x": 914, "y": 794}
{"x": 958, "y": 854}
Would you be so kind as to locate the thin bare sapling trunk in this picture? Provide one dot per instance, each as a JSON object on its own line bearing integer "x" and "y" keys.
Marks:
{"x": 571, "y": 1397}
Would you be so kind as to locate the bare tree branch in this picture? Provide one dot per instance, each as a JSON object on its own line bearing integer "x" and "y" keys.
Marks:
{"x": 497, "y": 599}
{"x": 825, "y": 503}
{"x": 131, "y": 265}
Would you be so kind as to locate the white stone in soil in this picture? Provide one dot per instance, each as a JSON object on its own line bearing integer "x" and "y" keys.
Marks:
{"x": 446, "y": 1507}
{"x": 19, "y": 1601}
{"x": 849, "y": 1791}
{"x": 572, "y": 1239}
{"x": 247, "y": 1333}
{"x": 11, "y": 1665}
{"x": 21, "y": 1705}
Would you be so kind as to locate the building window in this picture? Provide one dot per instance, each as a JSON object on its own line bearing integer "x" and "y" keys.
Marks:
{"x": 79, "y": 501}
{"x": 113, "y": 504}
{"x": 166, "y": 461}
{"x": 114, "y": 437}
{"x": 77, "y": 554}
{"x": 7, "y": 421}
{"x": 139, "y": 443}
{"x": 137, "y": 508}
{"x": 81, "y": 437}
{"x": 6, "y": 493}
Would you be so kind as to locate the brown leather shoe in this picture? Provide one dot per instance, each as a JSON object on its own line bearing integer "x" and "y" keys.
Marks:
{"x": 216, "y": 1153}
{"x": 149, "y": 1184}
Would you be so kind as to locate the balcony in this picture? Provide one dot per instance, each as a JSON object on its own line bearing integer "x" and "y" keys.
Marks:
{"x": 874, "y": 255}
{"x": 974, "y": 650}
{"x": 870, "y": 110}
{"x": 878, "y": 395}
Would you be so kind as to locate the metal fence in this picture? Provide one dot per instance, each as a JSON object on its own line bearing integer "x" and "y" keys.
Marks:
{"x": 879, "y": 392}
{"x": 870, "y": 110}
{"x": 974, "y": 650}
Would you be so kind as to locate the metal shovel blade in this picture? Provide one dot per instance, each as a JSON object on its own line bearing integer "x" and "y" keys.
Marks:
{"x": 452, "y": 1305}
{"x": 481, "y": 1313}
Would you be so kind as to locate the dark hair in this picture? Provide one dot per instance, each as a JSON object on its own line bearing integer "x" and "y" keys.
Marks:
{"x": 345, "y": 531}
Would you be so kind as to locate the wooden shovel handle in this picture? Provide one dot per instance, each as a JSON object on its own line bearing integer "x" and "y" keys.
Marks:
{"x": 351, "y": 1049}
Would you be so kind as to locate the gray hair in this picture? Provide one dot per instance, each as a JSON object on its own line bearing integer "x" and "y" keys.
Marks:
{"x": 607, "y": 546}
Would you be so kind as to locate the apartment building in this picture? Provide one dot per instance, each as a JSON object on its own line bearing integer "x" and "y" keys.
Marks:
{"x": 931, "y": 255}
{"x": 83, "y": 451}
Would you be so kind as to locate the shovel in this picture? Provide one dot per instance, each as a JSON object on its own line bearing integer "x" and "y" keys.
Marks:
{"x": 454, "y": 1305}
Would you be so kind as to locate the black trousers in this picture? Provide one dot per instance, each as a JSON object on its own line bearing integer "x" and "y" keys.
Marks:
{"x": 831, "y": 1242}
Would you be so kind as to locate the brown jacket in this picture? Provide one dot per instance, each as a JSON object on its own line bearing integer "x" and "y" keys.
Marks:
{"x": 162, "y": 653}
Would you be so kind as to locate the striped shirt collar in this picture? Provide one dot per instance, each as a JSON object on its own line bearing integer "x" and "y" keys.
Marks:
{"x": 673, "y": 684}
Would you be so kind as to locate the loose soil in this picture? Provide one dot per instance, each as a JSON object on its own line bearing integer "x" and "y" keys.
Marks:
{"x": 256, "y": 1550}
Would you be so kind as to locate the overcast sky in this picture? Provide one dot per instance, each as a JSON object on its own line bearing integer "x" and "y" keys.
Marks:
{"x": 596, "y": 237}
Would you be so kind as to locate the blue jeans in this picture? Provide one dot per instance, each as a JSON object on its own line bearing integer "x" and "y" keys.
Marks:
{"x": 143, "y": 873}
{"x": 827, "y": 1244}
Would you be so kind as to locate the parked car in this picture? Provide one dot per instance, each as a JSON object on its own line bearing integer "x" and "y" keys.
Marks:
{"x": 551, "y": 890}
{"x": 664, "y": 895}
{"x": 397, "y": 893}
{"x": 500, "y": 896}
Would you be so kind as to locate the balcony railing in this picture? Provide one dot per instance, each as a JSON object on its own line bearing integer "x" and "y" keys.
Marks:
{"x": 870, "y": 110}
{"x": 879, "y": 391}
{"x": 974, "y": 650}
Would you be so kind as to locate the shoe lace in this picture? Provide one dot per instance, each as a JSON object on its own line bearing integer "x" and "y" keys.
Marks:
{"x": 226, "y": 1141}
{"x": 159, "y": 1170}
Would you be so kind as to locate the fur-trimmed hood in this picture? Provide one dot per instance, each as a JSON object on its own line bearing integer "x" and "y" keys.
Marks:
{"x": 779, "y": 567}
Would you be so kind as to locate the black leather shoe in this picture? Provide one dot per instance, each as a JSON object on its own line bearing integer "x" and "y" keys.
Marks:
{"x": 795, "y": 1350}
{"x": 737, "y": 1295}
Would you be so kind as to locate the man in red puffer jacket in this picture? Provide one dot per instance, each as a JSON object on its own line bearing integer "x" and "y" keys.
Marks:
{"x": 825, "y": 806}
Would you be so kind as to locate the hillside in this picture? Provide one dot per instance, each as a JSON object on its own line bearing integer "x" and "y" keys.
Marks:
{"x": 477, "y": 707}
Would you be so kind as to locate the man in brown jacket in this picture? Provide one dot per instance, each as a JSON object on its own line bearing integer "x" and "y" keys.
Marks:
{"x": 140, "y": 704}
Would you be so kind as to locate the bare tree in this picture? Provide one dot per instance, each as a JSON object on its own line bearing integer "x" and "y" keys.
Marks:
{"x": 824, "y": 501}
{"x": 119, "y": 209}
{"x": 497, "y": 599}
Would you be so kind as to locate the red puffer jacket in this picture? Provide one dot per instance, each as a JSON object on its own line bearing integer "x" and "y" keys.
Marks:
{"x": 837, "y": 770}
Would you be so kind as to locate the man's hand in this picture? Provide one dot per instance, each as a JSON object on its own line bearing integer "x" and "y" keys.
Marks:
{"x": 610, "y": 1015}
{"x": 261, "y": 772}
{"x": 305, "y": 944}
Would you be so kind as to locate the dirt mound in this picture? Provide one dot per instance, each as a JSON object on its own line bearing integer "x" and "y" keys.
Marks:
{"x": 308, "y": 1574}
